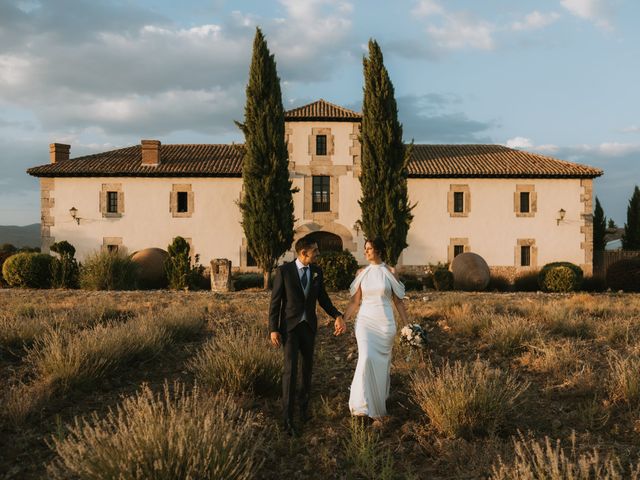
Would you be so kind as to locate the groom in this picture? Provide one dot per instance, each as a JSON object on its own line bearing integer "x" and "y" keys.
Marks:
{"x": 293, "y": 323}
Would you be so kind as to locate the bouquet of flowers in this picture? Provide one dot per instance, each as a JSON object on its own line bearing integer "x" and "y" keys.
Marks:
{"x": 413, "y": 335}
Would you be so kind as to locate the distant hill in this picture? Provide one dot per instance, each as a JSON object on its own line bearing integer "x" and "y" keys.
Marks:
{"x": 27, "y": 236}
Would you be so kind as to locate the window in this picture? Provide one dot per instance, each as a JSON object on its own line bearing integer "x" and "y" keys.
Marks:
{"x": 112, "y": 248}
{"x": 524, "y": 202}
{"x": 457, "y": 250}
{"x": 320, "y": 194}
{"x": 112, "y": 202}
{"x": 183, "y": 202}
{"x": 321, "y": 144}
{"x": 525, "y": 256}
{"x": 458, "y": 202}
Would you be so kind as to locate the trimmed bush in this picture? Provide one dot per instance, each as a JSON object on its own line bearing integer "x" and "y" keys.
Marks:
{"x": 560, "y": 277}
{"x": 244, "y": 281}
{"x": 593, "y": 284}
{"x": 411, "y": 282}
{"x": 499, "y": 283}
{"x": 526, "y": 282}
{"x": 175, "y": 434}
{"x": 442, "y": 279}
{"x": 27, "y": 269}
{"x": 624, "y": 275}
{"x": 108, "y": 271}
{"x": 339, "y": 269}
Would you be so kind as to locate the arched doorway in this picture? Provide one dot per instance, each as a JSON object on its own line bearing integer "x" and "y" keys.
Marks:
{"x": 327, "y": 241}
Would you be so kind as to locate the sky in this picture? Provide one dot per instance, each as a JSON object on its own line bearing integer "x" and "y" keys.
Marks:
{"x": 557, "y": 77}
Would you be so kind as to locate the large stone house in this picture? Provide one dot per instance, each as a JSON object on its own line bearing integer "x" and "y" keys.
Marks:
{"x": 516, "y": 209}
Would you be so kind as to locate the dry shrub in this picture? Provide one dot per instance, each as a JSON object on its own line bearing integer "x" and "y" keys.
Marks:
{"x": 239, "y": 360}
{"x": 15, "y": 331}
{"x": 65, "y": 360}
{"x": 618, "y": 330}
{"x": 179, "y": 434}
{"x": 368, "y": 459}
{"x": 563, "y": 363}
{"x": 542, "y": 460}
{"x": 464, "y": 320}
{"x": 562, "y": 319}
{"x": 623, "y": 383}
{"x": 508, "y": 334}
{"x": 463, "y": 399}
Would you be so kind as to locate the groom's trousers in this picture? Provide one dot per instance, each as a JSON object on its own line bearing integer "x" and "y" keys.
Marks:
{"x": 297, "y": 342}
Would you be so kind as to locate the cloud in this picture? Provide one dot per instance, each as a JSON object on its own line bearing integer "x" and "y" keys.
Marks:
{"x": 452, "y": 30}
{"x": 519, "y": 142}
{"x": 631, "y": 129}
{"x": 535, "y": 20}
{"x": 425, "y": 8}
{"x": 434, "y": 118}
{"x": 599, "y": 12}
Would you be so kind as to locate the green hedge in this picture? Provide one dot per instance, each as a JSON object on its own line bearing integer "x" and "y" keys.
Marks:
{"x": 28, "y": 269}
{"x": 339, "y": 269}
{"x": 443, "y": 279}
{"x": 560, "y": 277}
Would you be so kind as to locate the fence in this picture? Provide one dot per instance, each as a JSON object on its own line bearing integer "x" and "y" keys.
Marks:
{"x": 602, "y": 260}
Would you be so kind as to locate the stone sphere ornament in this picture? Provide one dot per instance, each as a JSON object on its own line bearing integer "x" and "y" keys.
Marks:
{"x": 470, "y": 272}
{"x": 151, "y": 272}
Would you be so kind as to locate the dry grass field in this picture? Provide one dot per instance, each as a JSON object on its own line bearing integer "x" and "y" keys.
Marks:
{"x": 169, "y": 384}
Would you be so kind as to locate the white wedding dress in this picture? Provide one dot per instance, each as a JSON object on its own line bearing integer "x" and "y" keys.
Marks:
{"x": 375, "y": 330}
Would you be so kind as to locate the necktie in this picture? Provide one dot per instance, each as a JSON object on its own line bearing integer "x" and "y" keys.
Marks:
{"x": 303, "y": 280}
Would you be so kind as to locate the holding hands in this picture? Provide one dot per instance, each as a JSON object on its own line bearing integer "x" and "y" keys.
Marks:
{"x": 340, "y": 326}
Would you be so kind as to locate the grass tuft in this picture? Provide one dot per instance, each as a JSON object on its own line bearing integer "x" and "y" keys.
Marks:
{"x": 368, "y": 459}
{"x": 464, "y": 399}
{"x": 544, "y": 460}
{"x": 239, "y": 360}
{"x": 179, "y": 434}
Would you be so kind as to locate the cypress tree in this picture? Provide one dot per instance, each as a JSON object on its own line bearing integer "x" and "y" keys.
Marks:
{"x": 386, "y": 212}
{"x": 631, "y": 236}
{"x": 599, "y": 227}
{"x": 267, "y": 203}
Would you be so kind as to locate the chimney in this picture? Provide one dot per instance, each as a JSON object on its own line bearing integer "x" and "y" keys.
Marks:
{"x": 150, "y": 152}
{"x": 58, "y": 152}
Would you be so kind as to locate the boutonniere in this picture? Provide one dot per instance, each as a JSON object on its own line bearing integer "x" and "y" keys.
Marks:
{"x": 315, "y": 275}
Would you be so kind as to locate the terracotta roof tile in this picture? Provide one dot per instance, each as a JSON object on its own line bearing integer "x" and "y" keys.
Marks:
{"x": 490, "y": 161}
{"x": 427, "y": 161}
{"x": 321, "y": 110}
{"x": 175, "y": 161}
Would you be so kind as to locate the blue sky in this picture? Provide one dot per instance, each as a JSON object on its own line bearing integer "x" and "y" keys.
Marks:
{"x": 558, "y": 77}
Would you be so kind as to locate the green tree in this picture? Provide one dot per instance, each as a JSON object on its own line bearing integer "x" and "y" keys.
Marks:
{"x": 611, "y": 224}
{"x": 180, "y": 273}
{"x": 65, "y": 272}
{"x": 267, "y": 203}
{"x": 599, "y": 227}
{"x": 631, "y": 236}
{"x": 386, "y": 212}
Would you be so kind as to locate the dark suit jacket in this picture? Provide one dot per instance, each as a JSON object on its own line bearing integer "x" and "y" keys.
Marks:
{"x": 288, "y": 302}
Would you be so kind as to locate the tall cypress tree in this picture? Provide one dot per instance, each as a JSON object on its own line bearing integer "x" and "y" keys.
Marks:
{"x": 631, "y": 236}
{"x": 267, "y": 203}
{"x": 384, "y": 203}
{"x": 599, "y": 227}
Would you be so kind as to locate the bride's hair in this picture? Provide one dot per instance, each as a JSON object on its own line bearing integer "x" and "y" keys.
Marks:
{"x": 378, "y": 245}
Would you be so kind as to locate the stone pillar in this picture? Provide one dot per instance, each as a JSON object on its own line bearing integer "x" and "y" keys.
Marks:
{"x": 221, "y": 275}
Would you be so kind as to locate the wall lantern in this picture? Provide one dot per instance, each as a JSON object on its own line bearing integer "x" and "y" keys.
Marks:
{"x": 74, "y": 214}
{"x": 561, "y": 214}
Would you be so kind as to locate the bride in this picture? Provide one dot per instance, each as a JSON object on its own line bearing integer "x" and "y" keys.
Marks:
{"x": 373, "y": 291}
